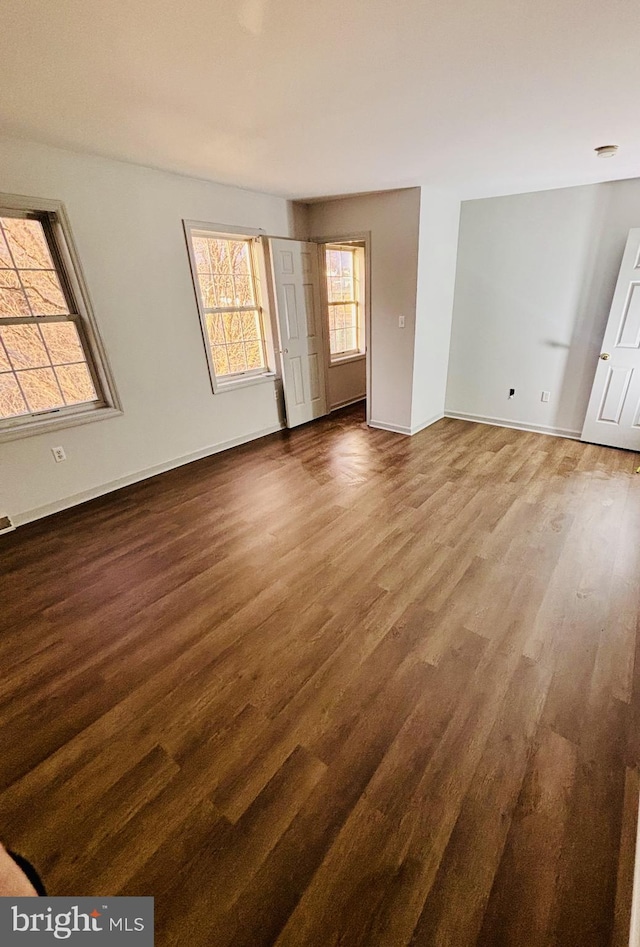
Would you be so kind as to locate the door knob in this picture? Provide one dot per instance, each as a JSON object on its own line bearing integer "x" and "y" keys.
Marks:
{"x": 605, "y": 356}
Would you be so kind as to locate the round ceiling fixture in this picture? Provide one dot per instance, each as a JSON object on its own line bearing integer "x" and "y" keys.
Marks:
{"x": 606, "y": 151}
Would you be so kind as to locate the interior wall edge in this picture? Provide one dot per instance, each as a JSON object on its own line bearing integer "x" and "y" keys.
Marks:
{"x": 407, "y": 430}
{"x": 416, "y": 428}
{"x": 393, "y": 428}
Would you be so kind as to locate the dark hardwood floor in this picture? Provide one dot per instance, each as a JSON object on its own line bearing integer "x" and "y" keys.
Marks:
{"x": 337, "y": 687}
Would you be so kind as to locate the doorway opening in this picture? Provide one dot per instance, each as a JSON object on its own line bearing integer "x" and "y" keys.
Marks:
{"x": 320, "y": 294}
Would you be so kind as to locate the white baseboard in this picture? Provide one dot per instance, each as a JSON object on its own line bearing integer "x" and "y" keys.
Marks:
{"x": 345, "y": 404}
{"x": 394, "y": 428}
{"x": 58, "y": 505}
{"x": 517, "y": 425}
{"x": 401, "y": 429}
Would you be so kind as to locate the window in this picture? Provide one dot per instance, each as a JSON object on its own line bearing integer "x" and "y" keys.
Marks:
{"x": 224, "y": 274}
{"x": 47, "y": 370}
{"x": 344, "y": 269}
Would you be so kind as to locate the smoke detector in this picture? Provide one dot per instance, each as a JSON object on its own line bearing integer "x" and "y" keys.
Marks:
{"x": 606, "y": 151}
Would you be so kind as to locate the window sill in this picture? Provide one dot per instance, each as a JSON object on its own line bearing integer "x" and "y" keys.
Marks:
{"x": 44, "y": 425}
{"x": 244, "y": 382}
{"x": 348, "y": 358}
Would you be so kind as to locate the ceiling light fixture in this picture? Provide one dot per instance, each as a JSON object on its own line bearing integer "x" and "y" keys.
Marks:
{"x": 606, "y": 151}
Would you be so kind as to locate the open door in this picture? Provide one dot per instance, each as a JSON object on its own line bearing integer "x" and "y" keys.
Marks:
{"x": 296, "y": 289}
{"x": 613, "y": 415}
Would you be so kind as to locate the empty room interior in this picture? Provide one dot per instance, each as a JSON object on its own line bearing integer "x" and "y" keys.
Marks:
{"x": 320, "y": 473}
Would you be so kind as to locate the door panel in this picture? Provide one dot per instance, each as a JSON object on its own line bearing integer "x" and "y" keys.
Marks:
{"x": 613, "y": 415}
{"x": 296, "y": 289}
{"x": 291, "y": 311}
{"x": 615, "y": 392}
{"x": 309, "y": 301}
{"x": 629, "y": 335}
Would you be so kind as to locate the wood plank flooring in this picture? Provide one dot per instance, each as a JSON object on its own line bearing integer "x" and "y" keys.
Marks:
{"x": 337, "y": 687}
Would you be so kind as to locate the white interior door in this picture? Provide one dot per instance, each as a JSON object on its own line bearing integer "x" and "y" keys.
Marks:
{"x": 297, "y": 294}
{"x": 613, "y": 415}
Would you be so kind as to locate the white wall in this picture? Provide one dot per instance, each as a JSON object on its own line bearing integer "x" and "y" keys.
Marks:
{"x": 439, "y": 218}
{"x": 127, "y": 225}
{"x": 392, "y": 218}
{"x": 534, "y": 283}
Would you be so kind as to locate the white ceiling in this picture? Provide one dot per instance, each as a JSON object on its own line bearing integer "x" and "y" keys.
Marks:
{"x": 317, "y": 98}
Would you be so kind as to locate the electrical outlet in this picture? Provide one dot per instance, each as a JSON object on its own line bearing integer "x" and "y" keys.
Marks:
{"x": 401, "y": 322}
{"x": 545, "y": 396}
{"x": 58, "y": 454}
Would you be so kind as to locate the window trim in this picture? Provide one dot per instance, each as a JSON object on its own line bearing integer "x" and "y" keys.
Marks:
{"x": 253, "y": 376}
{"x": 65, "y": 257}
{"x": 359, "y": 262}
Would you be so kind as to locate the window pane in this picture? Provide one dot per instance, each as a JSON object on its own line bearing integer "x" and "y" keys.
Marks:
{"x": 243, "y": 295}
{"x": 201, "y": 254}
{"x": 233, "y": 327}
{"x": 346, "y": 260}
{"x": 76, "y": 384}
{"x": 339, "y": 341}
{"x": 215, "y": 330}
{"x": 220, "y": 360}
{"x": 13, "y": 301}
{"x": 239, "y": 256}
{"x": 254, "y": 355}
{"x": 62, "y": 341}
{"x": 27, "y": 243}
{"x": 237, "y": 359}
{"x": 235, "y": 340}
{"x": 343, "y": 326}
{"x": 218, "y": 256}
{"x": 5, "y": 365}
{"x": 223, "y": 290}
{"x": 350, "y": 315}
{"x": 41, "y": 389}
{"x": 207, "y": 290}
{"x": 333, "y": 263}
{"x": 11, "y": 401}
{"x": 5, "y": 259}
{"x": 250, "y": 325}
{"x": 24, "y": 346}
{"x": 44, "y": 292}
{"x": 335, "y": 290}
{"x": 350, "y": 339}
